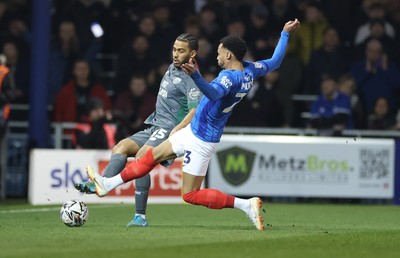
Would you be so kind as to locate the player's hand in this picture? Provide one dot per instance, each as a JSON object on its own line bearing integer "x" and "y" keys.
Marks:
{"x": 189, "y": 67}
{"x": 291, "y": 26}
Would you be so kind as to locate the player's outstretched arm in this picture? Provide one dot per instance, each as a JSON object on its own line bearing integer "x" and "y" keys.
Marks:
{"x": 275, "y": 61}
{"x": 211, "y": 90}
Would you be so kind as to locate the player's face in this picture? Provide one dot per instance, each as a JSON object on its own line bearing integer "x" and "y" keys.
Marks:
{"x": 181, "y": 53}
{"x": 221, "y": 57}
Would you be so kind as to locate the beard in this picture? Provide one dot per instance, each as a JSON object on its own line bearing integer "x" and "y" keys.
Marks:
{"x": 178, "y": 62}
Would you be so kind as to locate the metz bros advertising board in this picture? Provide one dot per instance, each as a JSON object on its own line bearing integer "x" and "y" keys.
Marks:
{"x": 52, "y": 175}
{"x": 299, "y": 166}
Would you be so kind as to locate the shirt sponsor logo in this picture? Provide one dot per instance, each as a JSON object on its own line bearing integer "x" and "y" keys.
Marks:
{"x": 194, "y": 93}
{"x": 176, "y": 80}
{"x": 164, "y": 83}
{"x": 163, "y": 93}
{"x": 226, "y": 82}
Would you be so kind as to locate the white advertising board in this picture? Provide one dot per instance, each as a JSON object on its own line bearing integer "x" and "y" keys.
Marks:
{"x": 301, "y": 166}
{"x": 52, "y": 175}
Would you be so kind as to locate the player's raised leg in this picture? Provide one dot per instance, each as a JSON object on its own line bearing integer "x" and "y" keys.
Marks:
{"x": 120, "y": 152}
{"x": 137, "y": 169}
{"x": 214, "y": 199}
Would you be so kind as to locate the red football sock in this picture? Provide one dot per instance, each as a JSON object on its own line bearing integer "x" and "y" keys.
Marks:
{"x": 139, "y": 167}
{"x": 210, "y": 198}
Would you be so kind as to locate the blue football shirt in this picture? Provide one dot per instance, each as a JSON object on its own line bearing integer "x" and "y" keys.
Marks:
{"x": 227, "y": 90}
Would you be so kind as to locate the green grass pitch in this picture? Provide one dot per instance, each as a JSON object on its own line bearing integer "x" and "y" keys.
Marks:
{"x": 292, "y": 230}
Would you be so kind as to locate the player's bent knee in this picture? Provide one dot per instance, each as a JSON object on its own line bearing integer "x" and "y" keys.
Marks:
{"x": 125, "y": 146}
{"x": 119, "y": 148}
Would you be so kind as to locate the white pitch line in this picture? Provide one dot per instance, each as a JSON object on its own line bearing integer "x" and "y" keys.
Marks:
{"x": 48, "y": 209}
{"x": 29, "y": 210}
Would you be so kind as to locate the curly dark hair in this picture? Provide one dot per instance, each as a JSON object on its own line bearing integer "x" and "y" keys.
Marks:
{"x": 236, "y": 45}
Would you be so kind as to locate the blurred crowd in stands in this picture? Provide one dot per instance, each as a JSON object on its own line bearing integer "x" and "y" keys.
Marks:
{"x": 111, "y": 55}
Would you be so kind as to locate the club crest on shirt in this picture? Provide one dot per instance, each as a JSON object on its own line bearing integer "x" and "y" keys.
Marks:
{"x": 258, "y": 65}
{"x": 226, "y": 82}
{"x": 176, "y": 80}
{"x": 194, "y": 93}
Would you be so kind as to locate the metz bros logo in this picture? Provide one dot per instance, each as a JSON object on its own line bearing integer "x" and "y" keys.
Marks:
{"x": 236, "y": 164}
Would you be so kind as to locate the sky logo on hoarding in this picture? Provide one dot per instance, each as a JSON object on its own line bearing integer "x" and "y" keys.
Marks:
{"x": 236, "y": 164}
{"x": 65, "y": 176}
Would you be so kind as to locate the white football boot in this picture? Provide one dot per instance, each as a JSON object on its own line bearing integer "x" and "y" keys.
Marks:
{"x": 254, "y": 213}
{"x": 98, "y": 181}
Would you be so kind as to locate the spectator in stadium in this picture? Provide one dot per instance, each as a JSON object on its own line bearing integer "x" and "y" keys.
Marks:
{"x": 279, "y": 12}
{"x": 375, "y": 76}
{"x": 310, "y": 35}
{"x": 84, "y": 14}
{"x": 147, "y": 27}
{"x": 19, "y": 70}
{"x": 132, "y": 107}
{"x": 166, "y": 30}
{"x": 70, "y": 102}
{"x": 360, "y": 14}
{"x": 63, "y": 52}
{"x": 258, "y": 32}
{"x": 209, "y": 25}
{"x": 381, "y": 118}
{"x": 155, "y": 76}
{"x": 176, "y": 103}
{"x": 204, "y": 57}
{"x": 192, "y": 26}
{"x": 97, "y": 133}
{"x": 341, "y": 16}
{"x": 348, "y": 86}
{"x": 378, "y": 32}
{"x": 134, "y": 57}
{"x": 7, "y": 95}
{"x": 331, "y": 112}
{"x": 262, "y": 103}
{"x": 197, "y": 141}
{"x": 18, "y": 33}
{"x": 289, "y": 83}
{"x": 328, "y": 59}
{"x": 376, "y": 11}
{"x": 236, "y": 27}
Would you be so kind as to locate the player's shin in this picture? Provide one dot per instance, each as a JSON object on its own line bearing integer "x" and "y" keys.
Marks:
{"x": 139, "y": 168}
{"x": 210, "y": 198}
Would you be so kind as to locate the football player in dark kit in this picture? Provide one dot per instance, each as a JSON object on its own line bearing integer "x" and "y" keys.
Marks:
{"x": 177, "y": 99}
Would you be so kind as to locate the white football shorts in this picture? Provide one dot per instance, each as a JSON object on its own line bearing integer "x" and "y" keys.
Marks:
{"x": 197, "y": 153}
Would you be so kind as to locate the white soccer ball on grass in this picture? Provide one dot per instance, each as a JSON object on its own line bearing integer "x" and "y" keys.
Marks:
{"x": 74, "y": 213}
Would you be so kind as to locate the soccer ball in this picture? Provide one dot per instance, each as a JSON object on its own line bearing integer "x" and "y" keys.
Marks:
{"x": 74, "y": 213}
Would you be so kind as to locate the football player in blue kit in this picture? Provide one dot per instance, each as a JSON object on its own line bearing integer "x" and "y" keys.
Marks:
{"x": 197, "y": 141}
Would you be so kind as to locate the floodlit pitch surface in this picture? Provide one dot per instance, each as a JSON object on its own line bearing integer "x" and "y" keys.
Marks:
{"x": 292, "y": 230}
